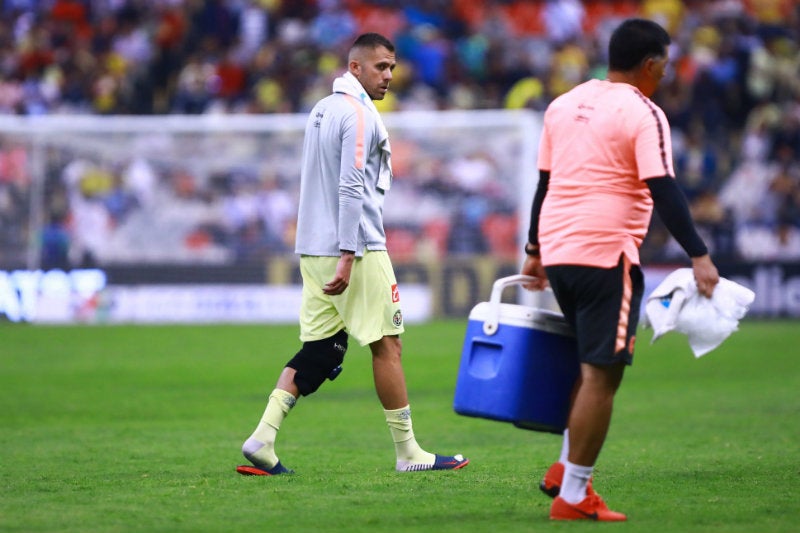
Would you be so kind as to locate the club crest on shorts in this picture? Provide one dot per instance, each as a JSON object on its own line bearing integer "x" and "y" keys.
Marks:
{"x": 395, "y": 294}
{"x": 397, "y": 319}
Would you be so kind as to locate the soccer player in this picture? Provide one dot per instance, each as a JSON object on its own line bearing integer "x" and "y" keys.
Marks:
{"x": 349, "y": 286}
{"x": 605, "y": 160}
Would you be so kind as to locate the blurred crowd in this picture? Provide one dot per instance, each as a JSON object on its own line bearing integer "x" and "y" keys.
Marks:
{"x": 732, "y": 94}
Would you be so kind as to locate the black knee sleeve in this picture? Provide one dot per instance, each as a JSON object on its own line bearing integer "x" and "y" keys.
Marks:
{"x": 317, "y": 361}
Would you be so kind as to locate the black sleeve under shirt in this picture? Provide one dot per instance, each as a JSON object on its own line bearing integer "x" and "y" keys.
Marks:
{"x": 536, "y": 207}
{"x": 671, "y": 205}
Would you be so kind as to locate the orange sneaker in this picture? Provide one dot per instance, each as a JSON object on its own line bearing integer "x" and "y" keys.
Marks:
{"x": 591, "y": 508}
{"x": 551, "y": 483}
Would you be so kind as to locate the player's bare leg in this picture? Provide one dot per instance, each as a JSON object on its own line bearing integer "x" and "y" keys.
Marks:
{"x": 390, "y": 384}
{"x": 259, "y": 448}
{"x": 589, "y": 420}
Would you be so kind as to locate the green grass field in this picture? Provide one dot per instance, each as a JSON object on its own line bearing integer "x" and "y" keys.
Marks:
{"x": 139, "y": 429}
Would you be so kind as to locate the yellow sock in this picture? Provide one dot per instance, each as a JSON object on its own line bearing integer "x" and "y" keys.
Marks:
{"x": 259, "y": 449}
{"x": 406, "y": 447}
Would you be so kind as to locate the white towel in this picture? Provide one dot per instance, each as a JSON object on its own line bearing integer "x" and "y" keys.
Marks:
{"x": 349, "y": 84}
{"x": 677, "y": 305}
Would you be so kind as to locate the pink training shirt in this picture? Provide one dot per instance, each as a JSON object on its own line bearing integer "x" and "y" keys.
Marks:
{"x": 600, "y": 141}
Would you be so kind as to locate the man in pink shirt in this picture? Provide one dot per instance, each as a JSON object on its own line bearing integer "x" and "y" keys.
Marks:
{"x": 605, "y": 160}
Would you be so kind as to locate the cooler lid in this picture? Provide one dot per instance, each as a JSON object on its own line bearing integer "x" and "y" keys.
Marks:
{"x": 522, "y": 316}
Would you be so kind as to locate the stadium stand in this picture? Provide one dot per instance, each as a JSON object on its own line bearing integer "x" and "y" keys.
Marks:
{"x": 733, "y": 96}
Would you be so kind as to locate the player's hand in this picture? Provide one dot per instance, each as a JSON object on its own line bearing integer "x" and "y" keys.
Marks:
{"x": 341, "y": 279}
{"x": 705, "y": 275}
{"x": 533, "y": 267}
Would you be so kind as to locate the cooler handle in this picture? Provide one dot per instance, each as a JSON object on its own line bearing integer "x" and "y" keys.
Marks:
{"x": 492, "y": 321}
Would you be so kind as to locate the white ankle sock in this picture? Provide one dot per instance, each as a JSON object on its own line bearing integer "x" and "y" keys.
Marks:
{"x": 406, "y": 448}
{"x": 576, "y": 477}
{"x": 260, "y": 447}
{"x": 564, "y": 448}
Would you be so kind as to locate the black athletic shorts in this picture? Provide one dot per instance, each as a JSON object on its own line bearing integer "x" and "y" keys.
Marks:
{"x": 602, "y": 305}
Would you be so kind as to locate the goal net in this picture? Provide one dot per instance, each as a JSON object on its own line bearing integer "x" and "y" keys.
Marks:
{"x": 202, "y": 208}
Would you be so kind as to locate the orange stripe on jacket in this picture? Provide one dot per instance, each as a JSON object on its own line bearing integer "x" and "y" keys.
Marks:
{"x": 359, "y": 129}
{"x": 625, "y": 307}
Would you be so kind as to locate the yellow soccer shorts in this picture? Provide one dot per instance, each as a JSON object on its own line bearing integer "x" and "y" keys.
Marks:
{"x": 368, "y": 309}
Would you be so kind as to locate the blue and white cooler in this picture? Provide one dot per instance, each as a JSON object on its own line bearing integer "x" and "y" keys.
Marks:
{"x": 518, "y": 364}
